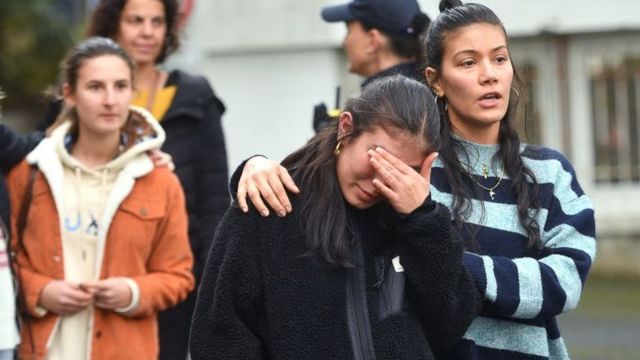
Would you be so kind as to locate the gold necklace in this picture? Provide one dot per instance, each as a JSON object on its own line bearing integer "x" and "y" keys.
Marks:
{"x": 485, "y": 173}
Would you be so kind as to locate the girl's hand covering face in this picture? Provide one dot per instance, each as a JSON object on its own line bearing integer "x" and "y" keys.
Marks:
{"x": 402, "y": 186}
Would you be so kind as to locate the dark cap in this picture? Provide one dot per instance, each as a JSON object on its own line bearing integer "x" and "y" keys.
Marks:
{"x": 393, "y": 16}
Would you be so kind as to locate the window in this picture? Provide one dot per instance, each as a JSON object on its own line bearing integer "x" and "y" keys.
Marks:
{"x": 615, "y": 101}
{"x": 529, "y": 130}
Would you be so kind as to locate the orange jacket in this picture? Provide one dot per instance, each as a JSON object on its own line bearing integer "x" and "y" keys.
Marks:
{"x": 147, "y": 241}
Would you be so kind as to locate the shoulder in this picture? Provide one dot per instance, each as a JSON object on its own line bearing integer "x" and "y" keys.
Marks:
{"x": 552, "y": 168}
{"x": 191, "y": 83}
{"x": 545, "y": 160}
{"x": 537, "y": 152}
{"x": 18, "y": 172}
{"x": 194, "y": 88}
{"x": 271, "y": 228}
{"x": 159, "y": 178}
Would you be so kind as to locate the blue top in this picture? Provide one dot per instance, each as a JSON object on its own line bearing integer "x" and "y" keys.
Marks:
{"x": 523, "y": 290}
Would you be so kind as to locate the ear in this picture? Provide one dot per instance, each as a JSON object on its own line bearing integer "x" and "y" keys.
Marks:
{"x": 375, "y": 40}
{"x": 433, "y": 80}
{"x": 68, "y": 96}
{"x": 345, "y": 125}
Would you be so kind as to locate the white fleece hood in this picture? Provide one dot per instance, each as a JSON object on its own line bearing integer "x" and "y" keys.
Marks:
{"x": 60, "y": 138}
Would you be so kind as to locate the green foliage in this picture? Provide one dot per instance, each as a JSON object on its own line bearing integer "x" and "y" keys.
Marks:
{"x": 34, "y": 37}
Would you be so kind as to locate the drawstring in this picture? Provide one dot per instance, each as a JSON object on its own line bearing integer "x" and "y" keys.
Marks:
{"x": 105, "y": 174}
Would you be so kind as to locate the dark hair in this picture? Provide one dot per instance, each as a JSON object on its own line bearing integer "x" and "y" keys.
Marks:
{"x": 455, "y": 15}
{"x": 105, "y": 21}
{"x": 406, "y": 45}
{"x": 88, "y": 49}
{"x": 401, "y": 105}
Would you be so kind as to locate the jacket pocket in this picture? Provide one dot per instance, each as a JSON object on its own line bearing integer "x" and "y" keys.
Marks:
{"x": 137, "y": 225}
{"x": 143, "y": 209}
{"x": 391, "y": 287}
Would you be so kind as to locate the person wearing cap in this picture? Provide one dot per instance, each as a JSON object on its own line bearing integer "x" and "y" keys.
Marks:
{"x": 382, "y": 39}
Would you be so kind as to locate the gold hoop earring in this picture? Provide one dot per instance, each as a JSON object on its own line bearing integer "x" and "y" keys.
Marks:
{"x": 336, "y": 151}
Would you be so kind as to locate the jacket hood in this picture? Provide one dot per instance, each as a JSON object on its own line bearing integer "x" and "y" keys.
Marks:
{"x": 135, "y": 156}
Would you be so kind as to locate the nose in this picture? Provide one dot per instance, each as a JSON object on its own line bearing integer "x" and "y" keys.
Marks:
{"x": 147, "y": 28}
{"x": 488, "y": 75}
{"x": 110, "y": 96}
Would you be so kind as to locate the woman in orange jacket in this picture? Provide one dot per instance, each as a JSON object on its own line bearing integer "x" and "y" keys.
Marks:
{"x": 105, "y": 245}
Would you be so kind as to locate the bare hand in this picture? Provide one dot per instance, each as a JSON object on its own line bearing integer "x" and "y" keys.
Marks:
{"x": 64, "y": 298}
{"x": 112, "y": 293}
{"x": 264, "y": 178}
{"x": 403, "y": 187}
{"x": 161, "y": 158}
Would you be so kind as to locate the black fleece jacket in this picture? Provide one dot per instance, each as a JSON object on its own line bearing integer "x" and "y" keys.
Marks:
{"x": 261, "y": 298}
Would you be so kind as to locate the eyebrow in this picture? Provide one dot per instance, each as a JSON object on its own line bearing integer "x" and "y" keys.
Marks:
{"x": 417, "y": 168}
{"x": 500, "y": 47}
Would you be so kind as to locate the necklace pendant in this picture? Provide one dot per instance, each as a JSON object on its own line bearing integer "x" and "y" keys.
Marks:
{"x": 492, "y": 194}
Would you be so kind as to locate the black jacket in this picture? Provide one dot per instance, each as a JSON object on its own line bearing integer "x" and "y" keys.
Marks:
{"x": 408, "y": 69}
{"x": 13, "y": 148}
{"x": 261, "y": 298}
{"x": 195, "y": 140}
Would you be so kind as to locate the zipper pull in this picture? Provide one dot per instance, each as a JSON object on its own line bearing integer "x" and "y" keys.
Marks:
{"x": 381, "y": 276}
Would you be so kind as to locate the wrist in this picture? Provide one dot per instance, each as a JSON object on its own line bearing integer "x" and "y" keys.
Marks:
{"x": 134, "y": 296}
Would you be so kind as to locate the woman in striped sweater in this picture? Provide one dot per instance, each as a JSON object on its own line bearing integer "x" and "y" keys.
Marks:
{"x": 529, "y": 227}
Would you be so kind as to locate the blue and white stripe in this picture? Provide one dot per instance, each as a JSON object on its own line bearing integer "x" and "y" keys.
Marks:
{"x": 524, "y": 292}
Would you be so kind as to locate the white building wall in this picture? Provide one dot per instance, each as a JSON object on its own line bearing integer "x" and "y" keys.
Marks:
{"x": 270, "y": 97}
{"x": 272, "y": 60}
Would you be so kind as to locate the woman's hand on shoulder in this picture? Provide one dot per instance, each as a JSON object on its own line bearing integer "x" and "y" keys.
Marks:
{"x": 404, "y": 188}
{"x": 264, "y": 179}
{"x": 161, "y": 158}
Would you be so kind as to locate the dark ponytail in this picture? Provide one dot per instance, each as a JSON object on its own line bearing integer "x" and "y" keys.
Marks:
{"x": 408, "y": 44}
{"x": 448, "y": 4}
{"x": 455, "y": 15}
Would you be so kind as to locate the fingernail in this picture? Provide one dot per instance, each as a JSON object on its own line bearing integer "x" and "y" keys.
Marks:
{"x": 282, "y": 214}
{"x": 288, "y": 208}
{"x": 265, "y": 212}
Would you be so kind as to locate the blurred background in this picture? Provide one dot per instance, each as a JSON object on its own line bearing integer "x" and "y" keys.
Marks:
{"x": 271, "y": 61}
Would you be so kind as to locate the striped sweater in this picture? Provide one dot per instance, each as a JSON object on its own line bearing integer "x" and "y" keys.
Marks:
{"x": 523, "y": 292}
